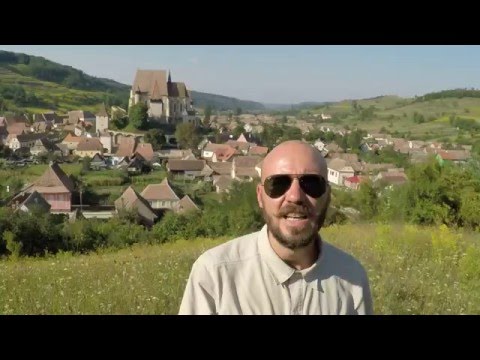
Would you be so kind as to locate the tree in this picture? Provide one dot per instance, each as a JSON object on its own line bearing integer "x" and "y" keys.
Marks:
{"x": 5, "y": 151}
{"x": 187, "y": 136}
{"x": 86, "y": 161}
{"x": 238, "y": 111}
{"x": 138, "y": 115}
{"x": 156, "y": 137}
{"x": 119, "y": 121}
{"x": 367, "y": 201}
{"x": 208, "y": 113}
{"x": 239, "y": 129}
{"x": 355, "y": 106}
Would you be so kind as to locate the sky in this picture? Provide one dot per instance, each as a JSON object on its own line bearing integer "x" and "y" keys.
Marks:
{"x": 285, "y": 74}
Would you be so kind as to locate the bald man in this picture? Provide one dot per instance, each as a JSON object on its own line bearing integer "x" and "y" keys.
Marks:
{"x": 285, "y": 268}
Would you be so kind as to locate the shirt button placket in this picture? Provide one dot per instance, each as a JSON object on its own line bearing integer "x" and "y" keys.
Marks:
{"x": 297, "y": 294}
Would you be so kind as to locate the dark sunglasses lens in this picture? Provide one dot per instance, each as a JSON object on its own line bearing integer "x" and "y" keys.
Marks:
{"x": 313, "y": 185}
{"x": 276, "y": 186}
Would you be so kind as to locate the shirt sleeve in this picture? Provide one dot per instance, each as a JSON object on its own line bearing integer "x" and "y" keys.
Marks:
{"x": 199, "y": 297}
{"x": 365, "y": 305}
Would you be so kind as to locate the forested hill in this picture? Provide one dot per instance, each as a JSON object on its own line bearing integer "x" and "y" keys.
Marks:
{"x": 33, "y": 83}
{"x": 219, "y": 102}
{"x": 455, "y": 93}
{"x": 43, "y": 69}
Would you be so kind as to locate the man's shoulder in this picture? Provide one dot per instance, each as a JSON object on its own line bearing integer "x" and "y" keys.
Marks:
{"x": 345, "y": 264}
{"x": 239, "y": 249}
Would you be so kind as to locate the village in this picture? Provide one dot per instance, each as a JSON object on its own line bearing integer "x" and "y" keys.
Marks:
{"x": 220, "y": 159}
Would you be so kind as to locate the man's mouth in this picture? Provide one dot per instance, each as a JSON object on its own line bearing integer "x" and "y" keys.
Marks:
{"x": 295, "y": 217}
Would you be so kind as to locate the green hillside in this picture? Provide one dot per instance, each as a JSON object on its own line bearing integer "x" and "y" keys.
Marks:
{"x": 433, "y": 116}
{"x": 223, "y": 103}
{"x": 34, "y": 84}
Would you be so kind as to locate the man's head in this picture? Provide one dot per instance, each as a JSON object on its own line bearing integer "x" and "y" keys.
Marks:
{"x": 294, "y": 194}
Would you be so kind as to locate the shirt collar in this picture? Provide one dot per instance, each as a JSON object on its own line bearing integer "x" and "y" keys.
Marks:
{"x": 280, "y": 270}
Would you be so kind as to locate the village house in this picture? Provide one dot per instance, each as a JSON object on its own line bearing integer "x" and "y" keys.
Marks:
{"x": 333, "y": 147}
{"x": 89, "y": 147}
{"x": 72, "y": 141}
{"x": 338, "y": 170}
{"x": 145, "y": 150}
{"x": 218, "y": 152}
{"x": 240, "y": 146}
{"x": 455, "y": 156}
{"x": 178, "y": 154}
{"x": 55, "y": 187}
{"x": 258, "y": 151}
{"x": 221, "y": 168}
{"x": 161, "y": 196}
{"x": 106, "y": 140}
{"x": 185, "y": 205}
{"x": 126, "y": 149}
{"x": 243, "y": 167}
{"x": 98, "y": 162}
{"x": 131, "y": 200}
{"x": 390, "y": 177}
{"x": 77, "y": 117}
{"x": 373, "y": 169}
{"x": 189, "y": 168}
{"x": 16, "y": 142}
{"x": 136, "y": 165}
{"x": 354, "y": 182}
{"x": 44, "y": 146}
{"x": 28, "y": 202}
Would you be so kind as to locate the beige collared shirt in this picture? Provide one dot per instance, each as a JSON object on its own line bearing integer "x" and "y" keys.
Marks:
{"x": 245, "y": 276}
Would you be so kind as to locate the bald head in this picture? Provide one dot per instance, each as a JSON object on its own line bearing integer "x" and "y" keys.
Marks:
{"x": 294, "y": 157}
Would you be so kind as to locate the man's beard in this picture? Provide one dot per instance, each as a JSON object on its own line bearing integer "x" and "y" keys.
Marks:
{"x": 298, "y": 238}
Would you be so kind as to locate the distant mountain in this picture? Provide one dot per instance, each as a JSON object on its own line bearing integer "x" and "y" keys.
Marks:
{"x": 278, "y": 107}
{"x": 308, "y": 104}
{"x": 222, "y": 103}
{"x": 297, "y": 106}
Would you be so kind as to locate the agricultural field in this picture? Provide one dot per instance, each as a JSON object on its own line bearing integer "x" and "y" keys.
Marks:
{"x": 412, "y": 270}
{"x": 396, "y": 114}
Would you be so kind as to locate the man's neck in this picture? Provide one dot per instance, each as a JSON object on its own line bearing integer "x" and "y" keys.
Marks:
{"x": 299, "y": 259}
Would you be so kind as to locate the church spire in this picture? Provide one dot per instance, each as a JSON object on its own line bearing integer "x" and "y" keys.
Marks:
{"x": 169, "y": 76}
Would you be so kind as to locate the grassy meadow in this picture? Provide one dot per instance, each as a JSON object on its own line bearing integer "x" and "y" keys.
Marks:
{"x": 396, "y": 114}
{"x": 412, "y": 270}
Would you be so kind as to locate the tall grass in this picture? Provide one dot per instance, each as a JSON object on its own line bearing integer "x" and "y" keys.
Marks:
{"x": 416, "y": 270}
{"x": 412, "y": 270}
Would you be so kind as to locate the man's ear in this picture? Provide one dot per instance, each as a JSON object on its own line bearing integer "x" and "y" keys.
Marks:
{"x": 259, "y": 196}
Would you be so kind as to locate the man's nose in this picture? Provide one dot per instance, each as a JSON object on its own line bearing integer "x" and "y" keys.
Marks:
{"x": 295, "y": 193}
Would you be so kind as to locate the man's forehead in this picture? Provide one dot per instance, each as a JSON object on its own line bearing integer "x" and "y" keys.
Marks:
{"x": 293, "y": 165}
{"x": 292, "y": 162}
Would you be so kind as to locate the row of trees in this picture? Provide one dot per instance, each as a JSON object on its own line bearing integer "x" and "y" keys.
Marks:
{"x": 435, "y": 194}
{"x": 456, "y": 93}
{"x": 464, "y": 123}
{"x": 36, "y": 233}
{"x": 19, "y": 96}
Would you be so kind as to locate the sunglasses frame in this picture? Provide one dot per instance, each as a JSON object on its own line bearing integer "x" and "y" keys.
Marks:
{"x": 299, "y": 177}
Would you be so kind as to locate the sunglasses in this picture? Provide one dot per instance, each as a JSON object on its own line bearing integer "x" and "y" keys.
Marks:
{"x": 311, "y": 184}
